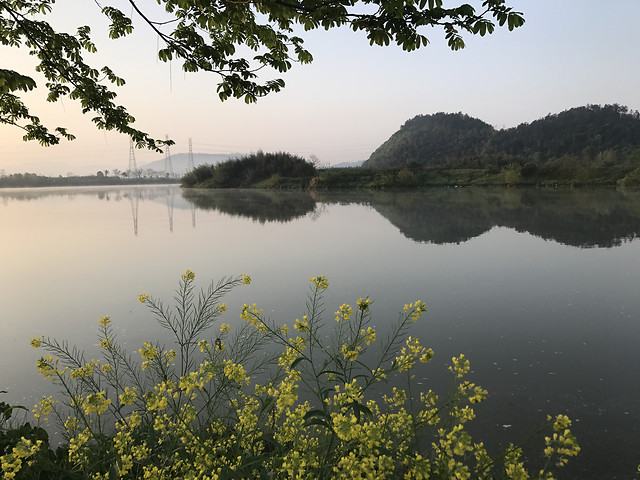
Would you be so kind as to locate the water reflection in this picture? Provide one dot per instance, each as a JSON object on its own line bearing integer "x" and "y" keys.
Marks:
{"x": 134, "y": 194}
{"x": 259, "y": 205}
{"x": 581, "y": 218}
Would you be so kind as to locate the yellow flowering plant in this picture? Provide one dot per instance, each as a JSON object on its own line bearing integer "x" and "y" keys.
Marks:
{"x": 336, "y": 401}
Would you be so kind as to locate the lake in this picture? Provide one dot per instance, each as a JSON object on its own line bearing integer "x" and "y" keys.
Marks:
{"x": 540, "y": 289}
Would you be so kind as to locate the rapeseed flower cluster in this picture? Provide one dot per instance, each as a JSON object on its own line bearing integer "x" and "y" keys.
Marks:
{"x": 320, "y": 282}
{"x": 344, "y": 313}
{"x": 252, "y": 314}
{"x": 363, "y": 304}
{"x": 411, "y": 353}
{"x": 197, "y": 412}
{"x": 415, "y": 310}
{"x": 96, "y": 403}
{"x": 188, "y": 275}
{"x": 43, "y": 409}
{"x": 301, "y": 326}
{"x": 12, "y": 463}
{"x": 562, "y": 444}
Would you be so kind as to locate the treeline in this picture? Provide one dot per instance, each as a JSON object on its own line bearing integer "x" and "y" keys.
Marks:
{"x": 268, "y": 170}
{"x": 25, "y": 180}
{"x": 582, "y": 144}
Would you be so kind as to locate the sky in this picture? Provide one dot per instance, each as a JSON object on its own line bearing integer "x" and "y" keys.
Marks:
{"x": 353, "y": 96}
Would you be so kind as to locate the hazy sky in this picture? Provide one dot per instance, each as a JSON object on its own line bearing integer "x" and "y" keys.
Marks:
{"x": 353, "y": 96}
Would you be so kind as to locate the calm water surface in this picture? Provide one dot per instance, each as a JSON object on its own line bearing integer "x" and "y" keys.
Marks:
{"x": 539, "y": 289}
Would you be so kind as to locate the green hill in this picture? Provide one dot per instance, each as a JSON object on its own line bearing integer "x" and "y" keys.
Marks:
{"x": 586, "y": 131}
{"x": 589, "y": 135}
{"x": 432, "y": 140}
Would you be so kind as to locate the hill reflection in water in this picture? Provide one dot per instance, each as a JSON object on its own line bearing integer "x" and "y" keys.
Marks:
{"x": 583, "y": 218}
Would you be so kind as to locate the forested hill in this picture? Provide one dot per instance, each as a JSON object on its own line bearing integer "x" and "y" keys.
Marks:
{"x": 431, "y": 140}
{"x": 583, "y": 133}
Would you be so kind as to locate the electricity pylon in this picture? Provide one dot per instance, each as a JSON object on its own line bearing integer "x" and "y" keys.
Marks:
{"x": 133, "y": 168}
{"x": 191, "y": 166}
{"x": 168, "y": 168}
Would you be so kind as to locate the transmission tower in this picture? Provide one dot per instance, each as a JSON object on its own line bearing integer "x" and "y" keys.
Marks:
{"x": 191, "y": 165}
{"x": 133, "y": 168}
{"x": 168, "y": 168}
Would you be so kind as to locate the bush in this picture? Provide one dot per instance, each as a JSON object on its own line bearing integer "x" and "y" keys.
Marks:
{"x": 249, "y": 171}
{"x": 319, "y": 407}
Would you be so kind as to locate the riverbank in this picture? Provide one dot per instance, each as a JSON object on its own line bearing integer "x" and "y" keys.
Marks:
{"x": 30, "y": 180}
{"x": 425, "y": 177}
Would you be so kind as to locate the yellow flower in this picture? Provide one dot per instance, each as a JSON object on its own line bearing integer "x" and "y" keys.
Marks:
{"x": 96, "y": 402}
{"x": 71, "y": 424}
{"x": 148, "y": 352}
{"x": 225, "y": 328}
{"x": 344, "y": 312}
{"x": 320, "y": 282}
{"x": 104, "y": 321}
{"x": 204, "y": 346}
{"x": 46, "y": 366}
{"x": 157, "y": 399}
{"x": 369, "y": 335}
{"x": 188, "y": 275}
{"x": 129, "y": 396}
{"x": 37, "y": 341}
{"x": 143, "y": 297}
{"x": 301, "y": 326}
{"x": 461, "y": 366}
{"x": 86, "y": 371}
{"x": 252, "y": 315}
{"x": 222, "y": 307}
{"x": 246, "y": 279}
{"x": 350, "y": 354}
{"x": 11, "y": 463}
{"x": 363, "y": 304}
{"x": 170, "y": 355}
{"x": 415, "y": 309}
{"x": 44, "y": 408}
{"x": 235, "y": 371}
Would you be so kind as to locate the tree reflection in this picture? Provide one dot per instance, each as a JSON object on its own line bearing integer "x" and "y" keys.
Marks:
{"x": 582, "y": 218}
{"x": 259, "y": 205}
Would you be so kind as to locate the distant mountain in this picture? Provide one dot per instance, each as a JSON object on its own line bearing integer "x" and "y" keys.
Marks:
{"x": 457, "y": 140}
{"x": 180, "y": 161}
{"x": 347, "y": 164}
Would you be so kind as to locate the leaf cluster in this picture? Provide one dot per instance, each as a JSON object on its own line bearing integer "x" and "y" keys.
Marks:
{"x": 233, "y": 39}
